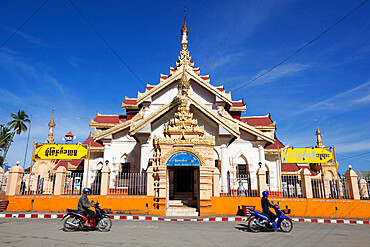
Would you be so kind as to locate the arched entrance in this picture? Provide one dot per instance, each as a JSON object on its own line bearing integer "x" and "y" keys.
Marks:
{"x": 183, "y": 179}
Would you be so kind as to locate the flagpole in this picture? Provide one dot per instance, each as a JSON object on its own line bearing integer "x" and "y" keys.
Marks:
{"x": 28, "y": 138}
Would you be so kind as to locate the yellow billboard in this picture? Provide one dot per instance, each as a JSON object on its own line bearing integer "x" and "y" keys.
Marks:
{"x": 61, "y": 151}
{"x": 305, "y": 155}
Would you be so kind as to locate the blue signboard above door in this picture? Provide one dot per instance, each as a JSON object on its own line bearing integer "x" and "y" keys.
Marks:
{"x": 183, "y": 158}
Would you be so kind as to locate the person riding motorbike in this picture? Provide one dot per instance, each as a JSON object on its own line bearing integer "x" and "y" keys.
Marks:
{"x": 266, "y": 205}
{"x": 84, "y": 204}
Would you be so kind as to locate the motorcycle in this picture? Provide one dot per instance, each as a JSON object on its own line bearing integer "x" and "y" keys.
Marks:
{"x": 258, "y": 220}
{"x": 74, "y": 220}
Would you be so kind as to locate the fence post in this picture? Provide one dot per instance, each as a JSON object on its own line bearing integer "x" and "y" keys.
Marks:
{"x": 364, "y": 193}
{"x": 216, "y": 182}
{"x": 60, "y": 179}
{"x": 104, "y": 186}
{"x": 351, "y": 182}
{"x": 149, "y": 181}
{"x": 261, "y": 180}
{"x": 306, "y": 183}
{"x": 14, "y": 180}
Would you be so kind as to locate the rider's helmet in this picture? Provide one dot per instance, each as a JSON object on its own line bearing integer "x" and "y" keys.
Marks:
{"x": 86, "y": 190}
{"x": 265, "y": 193}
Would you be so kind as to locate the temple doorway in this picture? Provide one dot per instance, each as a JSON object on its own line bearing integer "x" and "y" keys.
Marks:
{"x": 184, "y": 185}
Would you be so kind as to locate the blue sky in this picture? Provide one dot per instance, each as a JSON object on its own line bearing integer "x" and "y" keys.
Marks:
{"x": 57, "y": 59}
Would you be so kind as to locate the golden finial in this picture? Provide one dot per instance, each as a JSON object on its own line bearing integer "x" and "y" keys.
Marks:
{"x": 52, "y": 123}
{"x": 184, "y": 27}
{"x": 318, "y": 135}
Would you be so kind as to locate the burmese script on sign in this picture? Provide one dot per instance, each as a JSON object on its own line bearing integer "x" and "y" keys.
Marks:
{"x": 61, "y": 151}
{"x": 306, "y": 155}
{"x": 183, "y": 159}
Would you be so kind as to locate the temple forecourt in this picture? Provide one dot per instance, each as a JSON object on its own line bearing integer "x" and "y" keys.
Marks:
{"x": 182, "y": 142}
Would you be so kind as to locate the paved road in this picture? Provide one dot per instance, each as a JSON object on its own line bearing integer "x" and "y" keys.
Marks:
{"x": 42, "y": 232}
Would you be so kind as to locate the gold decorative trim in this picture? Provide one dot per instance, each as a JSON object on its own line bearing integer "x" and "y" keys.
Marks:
{"x": 242, "y": 108}
{"x": 101, "y": 125}
{"x": 176, "y": 76}
{"x": 96, "y": 149}
{"x": 206, "y": 141}
{"x": 112, "y": 130}
{"x": 178, "y": 149}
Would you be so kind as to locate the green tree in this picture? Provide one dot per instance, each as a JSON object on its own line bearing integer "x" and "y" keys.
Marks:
{"x": 18, "y": 124}
{"x": 5, "y": 136}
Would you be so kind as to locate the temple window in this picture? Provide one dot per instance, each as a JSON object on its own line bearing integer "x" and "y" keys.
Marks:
{"x": 125, "y": 167}
{"x": 242, "y": 170}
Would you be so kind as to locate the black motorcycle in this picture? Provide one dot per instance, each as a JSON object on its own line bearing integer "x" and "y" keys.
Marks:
{"x": 74, "y": 220}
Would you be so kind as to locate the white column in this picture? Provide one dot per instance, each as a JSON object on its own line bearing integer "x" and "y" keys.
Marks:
{"x": 224, "y": 167}
{"x": 144, "y": 152}
{"x": 261, "y": 153}
{"x": 107, "y": 154}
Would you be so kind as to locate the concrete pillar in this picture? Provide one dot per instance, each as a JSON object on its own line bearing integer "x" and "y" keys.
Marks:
{"x": 60, "y": 179}
{"x": 306, "y": 183}
{"x": 224, "y": 167}
{"x": 150, "y": 181}
{"x": 351, "y": 183}
{"x": 364, "y": 193}
{"x": 261, "y": 180}
{"x": 14, "y": 180}
{"x": 144, "y": 152}
{"x": 216, "y": 182}
{"x": 105, "y": 176}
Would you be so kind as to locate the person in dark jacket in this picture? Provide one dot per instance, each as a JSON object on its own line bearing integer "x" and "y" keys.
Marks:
{"x": 84, "y": 204}
{"x": 266, "y": 205}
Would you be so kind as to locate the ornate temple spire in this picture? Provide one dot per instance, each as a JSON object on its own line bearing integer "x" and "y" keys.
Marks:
{"x": 184, "y": 54}
{"x": 318, "y": 135}
{"x": 50, "y": 138}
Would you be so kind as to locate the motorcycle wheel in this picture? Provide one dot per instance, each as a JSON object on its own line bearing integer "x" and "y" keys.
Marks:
{"x": 286, "y": 225}
{"x": 104, "y": 225}
{"x": 67, "y": 224}
{"x": 252, "y": 225}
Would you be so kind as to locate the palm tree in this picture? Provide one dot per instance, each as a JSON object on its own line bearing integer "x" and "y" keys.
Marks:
{"x": 18, "y": 124}
{"x": 5, "y": 136}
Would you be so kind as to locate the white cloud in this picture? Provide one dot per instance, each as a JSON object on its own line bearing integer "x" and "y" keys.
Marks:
{"x": 365, "y": 99}
{"x": 343, "y": 101}
{"x": 356, "y": 146}
{"x": 221, "y": 61}
{"x": 10, "y": 98}
{"x": 10, "y": 59}
{"x": 281, "y": 71}
{"x": 32, "y": 39}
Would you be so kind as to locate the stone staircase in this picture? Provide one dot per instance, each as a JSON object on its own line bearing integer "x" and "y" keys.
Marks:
{"x": 177, "y": 208}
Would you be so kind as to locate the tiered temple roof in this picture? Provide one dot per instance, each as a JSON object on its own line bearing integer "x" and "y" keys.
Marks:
{"x": 229, "y": 116}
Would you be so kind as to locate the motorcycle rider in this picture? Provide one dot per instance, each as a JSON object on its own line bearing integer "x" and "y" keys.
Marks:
{"x": 84, "y": 204}
{"x": 266, "y": 205}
